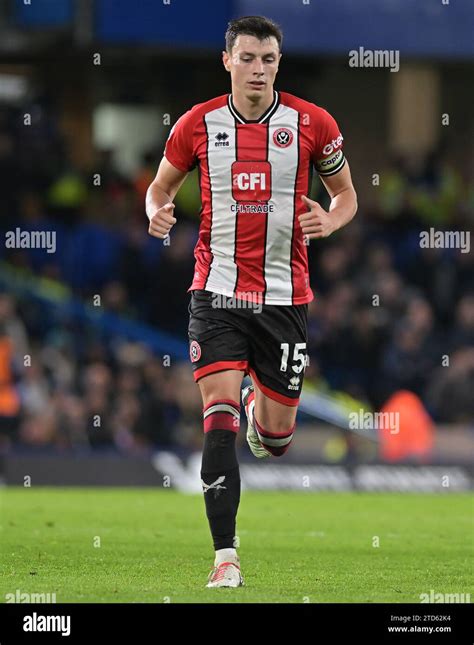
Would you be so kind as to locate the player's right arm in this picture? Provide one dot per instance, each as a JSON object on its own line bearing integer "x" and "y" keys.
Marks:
{"x": 178, "y": 160}
{"x": 159, "y": 198}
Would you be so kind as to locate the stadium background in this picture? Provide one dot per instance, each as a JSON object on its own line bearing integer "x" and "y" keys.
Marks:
{"x": 95, "y": 384}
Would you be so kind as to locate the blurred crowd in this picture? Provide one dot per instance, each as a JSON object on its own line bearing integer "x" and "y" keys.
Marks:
{"x": 387, "y": 314}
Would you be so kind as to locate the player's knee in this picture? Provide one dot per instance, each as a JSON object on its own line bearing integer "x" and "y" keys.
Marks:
{"x": 221, "y": 424}
{"x": 222, "y": 414}
{"x": 276, "y": 438}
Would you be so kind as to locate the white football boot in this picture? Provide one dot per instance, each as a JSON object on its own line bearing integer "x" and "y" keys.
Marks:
{"x": 252, "y": 437}
{"x": 226, "y": 574}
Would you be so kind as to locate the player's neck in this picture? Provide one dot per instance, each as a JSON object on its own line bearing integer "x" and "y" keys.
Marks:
{"x": 252, "y": 109}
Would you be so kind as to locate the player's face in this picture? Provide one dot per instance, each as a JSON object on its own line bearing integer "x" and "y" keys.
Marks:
{"x": 253, "y": 65}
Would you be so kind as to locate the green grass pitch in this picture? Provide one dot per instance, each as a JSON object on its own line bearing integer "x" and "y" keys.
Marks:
{"x": 294, "y": 547}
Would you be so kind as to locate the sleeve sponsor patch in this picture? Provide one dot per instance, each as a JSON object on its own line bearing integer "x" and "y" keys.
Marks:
{"x": 327, "y": 154}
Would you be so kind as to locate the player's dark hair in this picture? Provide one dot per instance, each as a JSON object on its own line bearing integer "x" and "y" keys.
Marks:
{"x": 257, "y": 26}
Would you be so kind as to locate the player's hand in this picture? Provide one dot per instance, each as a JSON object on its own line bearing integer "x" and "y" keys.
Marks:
{"x": 316, "y": 222}
{"x": 162, "y": 221}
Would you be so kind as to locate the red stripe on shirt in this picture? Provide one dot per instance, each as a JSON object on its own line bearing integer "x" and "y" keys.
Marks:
{"x": 299, "y": 251}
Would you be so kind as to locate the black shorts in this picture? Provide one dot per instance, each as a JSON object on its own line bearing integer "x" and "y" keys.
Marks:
{"x": 266, "y": 341}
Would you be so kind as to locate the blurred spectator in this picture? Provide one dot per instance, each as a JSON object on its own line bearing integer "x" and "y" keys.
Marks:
{"x": 462, "y": 334}
{"x": 449, "y": 392}
{"x": 168, "y": 290}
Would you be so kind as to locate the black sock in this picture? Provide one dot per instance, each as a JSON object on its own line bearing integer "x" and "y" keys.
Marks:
{"x": 220, "y": 477}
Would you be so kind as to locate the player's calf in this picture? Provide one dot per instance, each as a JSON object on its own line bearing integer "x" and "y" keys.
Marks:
{"x": 220, "y": 480}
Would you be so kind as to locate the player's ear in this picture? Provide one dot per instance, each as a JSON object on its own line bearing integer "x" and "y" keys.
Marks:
{"x": 278, "y": 64}
{"x": 226, "y": 60}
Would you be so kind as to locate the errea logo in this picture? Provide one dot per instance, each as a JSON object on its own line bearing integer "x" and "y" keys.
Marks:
{"x": 221, "y": 140}
{"x": 294, "y": 383}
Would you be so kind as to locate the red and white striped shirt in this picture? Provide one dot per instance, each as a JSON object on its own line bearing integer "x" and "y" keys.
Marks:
{"x": 252, "y": 176}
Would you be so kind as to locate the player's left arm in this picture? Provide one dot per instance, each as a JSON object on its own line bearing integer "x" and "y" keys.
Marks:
{"x": 317, "y": 222}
